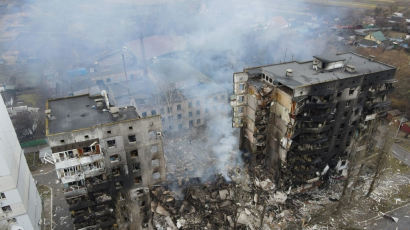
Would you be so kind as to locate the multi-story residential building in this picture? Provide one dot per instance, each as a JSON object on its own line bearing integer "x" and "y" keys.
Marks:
{"x": 301, "y": 118}
{"x": 183, "y": 96}
{"x": 20, "y": 202}
{"x": 101, "y": 152}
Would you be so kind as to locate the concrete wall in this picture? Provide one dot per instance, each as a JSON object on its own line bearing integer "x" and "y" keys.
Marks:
{"x": 16, "y": 182}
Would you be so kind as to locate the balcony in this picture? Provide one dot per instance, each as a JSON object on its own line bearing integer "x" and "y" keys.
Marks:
{"x": 74, "y": 191}
{"x": 107, "y": 223}
{"x": 81, "y": 205}
{"x": 90, "y": 159}
{"x": 377, "y": 107}
{"x": 380, "y": 92}
{"x": 93, "y": 172}
{"x": 71, "y": 178}
{"x": 79, "y": 161}
{"x": 312, "y": 139}
{"x": 315, "y": 117}
{"x": 75, "y": 154}
{"x": 381, "y": 104}
{"x": 318, "y": 105}
{"x": 136, "y": 171}
{"x": 319, "y": 128}
{"x": 312, "y": 149}
{"x": 98, "y": 186}
{"x": 102, "y": 213}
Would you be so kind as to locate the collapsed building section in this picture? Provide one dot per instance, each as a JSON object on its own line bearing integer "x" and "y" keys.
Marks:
{"x": 301, "y": 118}
{"x": 101, "y": 154}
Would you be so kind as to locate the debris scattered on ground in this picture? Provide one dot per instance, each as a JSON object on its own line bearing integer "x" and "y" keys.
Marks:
{"x": 392, "y": 218}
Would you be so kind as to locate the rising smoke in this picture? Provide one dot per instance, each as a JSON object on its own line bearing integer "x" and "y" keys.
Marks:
{"x": 220, "y": 37}
{"x": 222, "y": 34}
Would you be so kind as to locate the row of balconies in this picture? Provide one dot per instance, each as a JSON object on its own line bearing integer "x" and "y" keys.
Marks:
{"x": 312, "y": 139}
{"x": 71, "y": 178}
{"x": 312, "y": 127}
{"x": 90, "y": 213}
{"x": 99, "y": 186}
{"x": 378, "y": 93}
{"x": 107, "y": 223}
{"x": 93, "y": 172}
{"x": 317, "y": 127}
{"x": 311, "y": 148}
{"x": 81, "y": 204}
{"x": 76, "y": 153}
{"x": 315, "y": 117}
{"x": 376, "y": 107}
{"x": 74, "y": 191}
{"x": 308, "y": 106}
{"x": 319, "y": 105}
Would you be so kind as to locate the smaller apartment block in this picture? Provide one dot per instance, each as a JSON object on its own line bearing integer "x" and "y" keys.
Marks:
{"x": 20, "y": 202}
{"x": 301, "y": 118}
{"x": 101, "y": 152}
{"x": 184, "y": 97}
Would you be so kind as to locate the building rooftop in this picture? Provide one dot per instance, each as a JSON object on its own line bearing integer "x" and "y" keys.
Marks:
{"x": 303, "y": 73}
{"x": 329, "y": 58}
{"x": 379, "y": 36}
{"x": 78, "y": 112}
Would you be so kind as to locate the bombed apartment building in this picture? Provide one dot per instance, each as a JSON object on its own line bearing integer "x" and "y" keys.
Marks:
{"x": 301, "y": 118}
{"x": 103, "y": 153}
{"x": 182, "y": 95}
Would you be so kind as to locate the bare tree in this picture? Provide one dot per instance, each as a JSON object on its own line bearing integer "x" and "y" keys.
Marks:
{"x": 381, "y": 161}
{"x": 358, "y": 156}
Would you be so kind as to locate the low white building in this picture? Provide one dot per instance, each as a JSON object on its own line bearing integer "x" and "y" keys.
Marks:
{"x": 20, "y": 202}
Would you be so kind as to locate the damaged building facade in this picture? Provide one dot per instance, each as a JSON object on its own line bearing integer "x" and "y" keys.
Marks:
{"x": 183, "y": 96}
{"x": 103, "y": 155}
{"x": 301, "y": 118}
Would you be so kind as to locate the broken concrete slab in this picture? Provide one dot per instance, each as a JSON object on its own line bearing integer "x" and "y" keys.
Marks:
{"x": 161, "y": 210}
{"x": 280, "y": 197}
{"x": 223, "y": 194}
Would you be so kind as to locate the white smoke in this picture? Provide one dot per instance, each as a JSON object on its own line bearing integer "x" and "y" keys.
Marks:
{"x": 221, "y": 37}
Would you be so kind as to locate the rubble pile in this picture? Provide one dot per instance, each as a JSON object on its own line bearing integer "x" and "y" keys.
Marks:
{"x": 188, "y": 156}
{"x": 245, "y": 202}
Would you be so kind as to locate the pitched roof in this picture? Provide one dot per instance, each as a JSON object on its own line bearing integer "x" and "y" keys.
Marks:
{"x": 379, "y": 36}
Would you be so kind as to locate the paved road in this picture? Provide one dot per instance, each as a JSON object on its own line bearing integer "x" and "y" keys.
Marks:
{"x": 61, "y": 216}
{"x": 382, "y": 223}
{"x": 401, "y": 154}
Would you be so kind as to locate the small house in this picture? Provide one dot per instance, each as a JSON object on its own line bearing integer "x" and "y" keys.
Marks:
{"x": 377, "y": 37}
